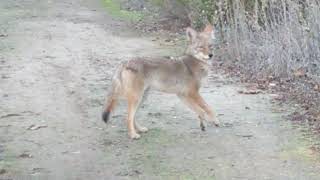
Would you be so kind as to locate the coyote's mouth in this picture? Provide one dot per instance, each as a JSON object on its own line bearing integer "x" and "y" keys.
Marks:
{"x": 202, "y": 56}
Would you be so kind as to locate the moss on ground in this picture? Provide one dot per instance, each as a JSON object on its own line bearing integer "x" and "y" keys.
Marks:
{"x": 114, "y": 9}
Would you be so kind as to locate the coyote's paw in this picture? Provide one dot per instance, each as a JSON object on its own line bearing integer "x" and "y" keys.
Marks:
{"x": 215, "y": 121}
{"x": 134, "y": 136}
{"x": 143, "y": 129}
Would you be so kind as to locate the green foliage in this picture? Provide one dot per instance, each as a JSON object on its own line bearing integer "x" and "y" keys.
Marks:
{"x": 114, "y": 8}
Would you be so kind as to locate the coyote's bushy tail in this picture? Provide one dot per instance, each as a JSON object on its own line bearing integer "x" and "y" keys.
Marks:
{"x": 113, "y": 95}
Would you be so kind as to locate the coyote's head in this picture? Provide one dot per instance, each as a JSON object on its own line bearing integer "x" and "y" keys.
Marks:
{"x": 200, "y": 43}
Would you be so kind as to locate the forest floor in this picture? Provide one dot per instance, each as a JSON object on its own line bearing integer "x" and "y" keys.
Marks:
{"x": 56, "y": 63}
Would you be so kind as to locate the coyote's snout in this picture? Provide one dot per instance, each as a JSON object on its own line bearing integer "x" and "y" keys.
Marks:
{"x": 181, "y": 76}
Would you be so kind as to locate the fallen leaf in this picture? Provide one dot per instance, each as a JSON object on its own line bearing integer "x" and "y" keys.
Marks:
{"x": 301, "y": 72}
{"x": 25, "y": 155}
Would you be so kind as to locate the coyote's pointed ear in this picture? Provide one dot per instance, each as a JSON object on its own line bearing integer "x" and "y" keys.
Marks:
{"x": 208, "y": 29}
{"x": 191, "y": 34}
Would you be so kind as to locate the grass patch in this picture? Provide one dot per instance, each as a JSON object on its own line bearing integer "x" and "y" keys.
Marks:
{"x": 114, "y": 8}
{"x": 155, "y": 161}
{"x": 153, "y": 146}
{"x": 157, "y": 2}
{"x": 7, "y": 161}
{"x": 300, "y": 149}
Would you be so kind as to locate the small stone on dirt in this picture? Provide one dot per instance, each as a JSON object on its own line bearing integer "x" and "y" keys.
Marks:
{"x": 155, "y": 114}
{"x": 3, "y": 171}
{"x": 5, "y": 77}
{"x": 122, "y": 174}
{"x": 272, "y": 84}
{"x": 245, "y": 136}
{"x": 76, "y": 152}
{"x": 5, "y": 126}
{"x": 130, "y": 173}
{"x": 227, "y": 125}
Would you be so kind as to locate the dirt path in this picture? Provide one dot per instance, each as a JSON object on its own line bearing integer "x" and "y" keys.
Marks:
{"x": 56, "y": 61}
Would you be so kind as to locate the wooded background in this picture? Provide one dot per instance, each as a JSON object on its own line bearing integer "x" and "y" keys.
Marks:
{"x": 269, "y": 37}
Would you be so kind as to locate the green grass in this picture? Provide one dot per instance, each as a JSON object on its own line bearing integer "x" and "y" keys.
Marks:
{"x": 152, "y": 145}
{"x": 155, "y": 160}
{"x": 114, "y": 8}
{"x": 157, "y": 2}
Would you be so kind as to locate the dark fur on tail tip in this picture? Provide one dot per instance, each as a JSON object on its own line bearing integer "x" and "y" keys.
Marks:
{"x": 105, "y": 116}
{"x": 203, "y": 128}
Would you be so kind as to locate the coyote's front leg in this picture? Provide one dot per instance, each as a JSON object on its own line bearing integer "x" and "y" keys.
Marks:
{"x": 133, "y": 103}
{"x": 192, "y": 104}
{"x": 212, "y": 116}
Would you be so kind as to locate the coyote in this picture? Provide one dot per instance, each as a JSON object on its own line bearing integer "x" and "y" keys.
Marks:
{"x": 181, "y": 76}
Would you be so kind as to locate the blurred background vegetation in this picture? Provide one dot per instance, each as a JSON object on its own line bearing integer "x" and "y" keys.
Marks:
{"x": 269, "y": 37}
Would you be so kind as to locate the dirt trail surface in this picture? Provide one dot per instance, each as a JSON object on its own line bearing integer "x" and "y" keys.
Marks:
{"x": 56, "y": 62}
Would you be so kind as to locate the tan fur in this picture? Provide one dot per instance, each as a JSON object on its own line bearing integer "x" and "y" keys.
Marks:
{"x": 181, "y": 76}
